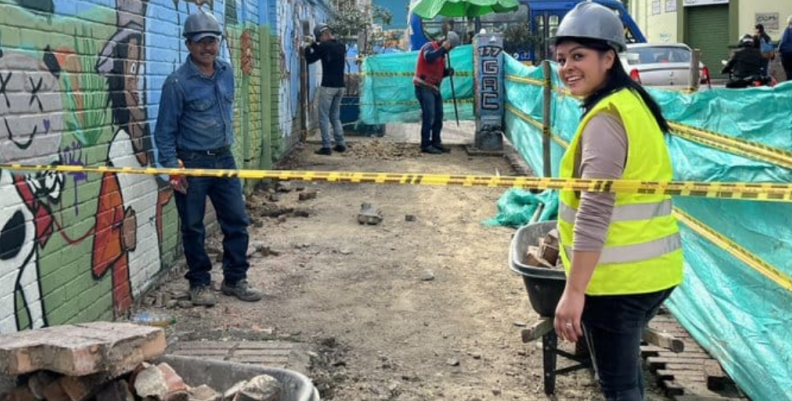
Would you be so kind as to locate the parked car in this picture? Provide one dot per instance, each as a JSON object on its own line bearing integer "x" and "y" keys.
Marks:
{"x": 666, "y": 65}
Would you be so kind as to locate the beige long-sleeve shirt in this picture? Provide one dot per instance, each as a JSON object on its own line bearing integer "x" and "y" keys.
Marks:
{"x": 602, "y": 154}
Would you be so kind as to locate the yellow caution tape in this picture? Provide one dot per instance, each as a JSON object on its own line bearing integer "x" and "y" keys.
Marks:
{"x": 402, "y": 74}
{"x": 735, "y": 250}
{"x": 721, "y": 190}
{"x": 525, "y": 80}
{"x": 737, "y": 146}
{"x": 536, "y": 123}
{"x": 755, "y": 150}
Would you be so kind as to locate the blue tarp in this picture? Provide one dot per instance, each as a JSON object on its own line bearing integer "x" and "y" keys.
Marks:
{"x": 730, "y": 306}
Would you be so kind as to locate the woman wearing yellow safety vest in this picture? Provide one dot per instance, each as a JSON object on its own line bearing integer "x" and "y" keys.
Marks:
{"x": 622, "y": 252}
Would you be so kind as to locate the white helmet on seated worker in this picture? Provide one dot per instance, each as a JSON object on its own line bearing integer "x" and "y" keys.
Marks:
{"x": 590, "y": 20}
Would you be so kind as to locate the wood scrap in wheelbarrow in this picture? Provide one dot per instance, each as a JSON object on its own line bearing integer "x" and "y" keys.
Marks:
{"x": 545, "y": 254}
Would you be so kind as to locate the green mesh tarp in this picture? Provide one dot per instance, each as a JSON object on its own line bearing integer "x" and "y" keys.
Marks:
{"x": 388, "y": 95}
{"x": 735, "y": 304}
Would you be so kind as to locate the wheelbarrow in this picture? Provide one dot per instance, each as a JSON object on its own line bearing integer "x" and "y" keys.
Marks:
{"x": 545, "y": 287}
{"x": 223, "y": 374}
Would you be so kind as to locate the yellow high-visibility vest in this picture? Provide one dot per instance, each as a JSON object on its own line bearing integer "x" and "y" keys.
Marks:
{"x": 643, "y": 248}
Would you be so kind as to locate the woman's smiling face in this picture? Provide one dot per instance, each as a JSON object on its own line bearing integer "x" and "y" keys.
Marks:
{"x": 583, "y": 70}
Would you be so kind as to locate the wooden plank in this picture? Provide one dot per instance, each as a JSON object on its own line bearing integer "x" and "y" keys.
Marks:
{"x": 664, "y": 340}
{"x": 537, "y": 330}
{"x": 672, "y": 388}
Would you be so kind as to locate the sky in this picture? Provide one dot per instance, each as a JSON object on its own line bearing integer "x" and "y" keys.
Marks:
{"x": 399, "y": 10}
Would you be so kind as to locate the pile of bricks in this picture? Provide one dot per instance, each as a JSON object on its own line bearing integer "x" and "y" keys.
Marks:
{"x": 545, "y": 254}
{"x": 105, "y": 361}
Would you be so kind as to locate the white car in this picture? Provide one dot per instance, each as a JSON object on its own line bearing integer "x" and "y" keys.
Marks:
{"x": 665, "y": 66}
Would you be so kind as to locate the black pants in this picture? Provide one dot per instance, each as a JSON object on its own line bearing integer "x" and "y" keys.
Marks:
{"x": 431, "y": 116}
{"x": 786, "y": 62}
{"x": 614, "y": 326}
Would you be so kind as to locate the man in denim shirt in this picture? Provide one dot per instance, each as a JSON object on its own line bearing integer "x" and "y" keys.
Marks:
{"x": 195, "y": 130}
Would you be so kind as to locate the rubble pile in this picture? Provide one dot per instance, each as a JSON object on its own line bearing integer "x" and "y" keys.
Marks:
{"x": 105, "y": 361}
{"x": 545, "y": 253}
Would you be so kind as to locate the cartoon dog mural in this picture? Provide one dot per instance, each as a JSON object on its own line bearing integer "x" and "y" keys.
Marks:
{"x": 30, "y": 132}
{"x": 129, "y": 217}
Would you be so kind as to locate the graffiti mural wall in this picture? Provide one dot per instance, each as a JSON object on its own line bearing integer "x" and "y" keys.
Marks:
{"x": 79, "y": 85}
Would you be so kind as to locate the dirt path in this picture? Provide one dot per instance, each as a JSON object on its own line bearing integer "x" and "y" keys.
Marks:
{"x": 363, "y": 297}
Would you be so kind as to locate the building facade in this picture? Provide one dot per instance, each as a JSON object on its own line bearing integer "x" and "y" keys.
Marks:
{"x": 713, "y": 26}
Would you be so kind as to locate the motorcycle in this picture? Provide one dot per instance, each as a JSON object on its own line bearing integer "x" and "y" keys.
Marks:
{"x": 750, "y": 81}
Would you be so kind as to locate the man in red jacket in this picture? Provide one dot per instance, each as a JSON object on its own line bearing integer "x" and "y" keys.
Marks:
{"x": 429, "y": 73}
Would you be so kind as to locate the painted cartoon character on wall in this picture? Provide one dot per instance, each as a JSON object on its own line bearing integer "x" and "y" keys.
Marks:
{"x": 30, "y": 133}
{"x": 128, "y": 228}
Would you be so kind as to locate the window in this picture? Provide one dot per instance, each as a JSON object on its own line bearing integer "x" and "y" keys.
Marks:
{"x": 660, "y": 54}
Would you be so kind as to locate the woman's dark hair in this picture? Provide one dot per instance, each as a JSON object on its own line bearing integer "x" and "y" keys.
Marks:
{"x": 760, "y": 27}
{"x": 616, "y": 79}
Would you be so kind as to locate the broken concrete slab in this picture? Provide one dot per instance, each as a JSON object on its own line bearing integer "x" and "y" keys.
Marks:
{"x": 79, "y": 350}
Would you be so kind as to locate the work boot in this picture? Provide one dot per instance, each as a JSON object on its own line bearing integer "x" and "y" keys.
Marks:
{"x": 340, "y": 148}
{"x": 431, "y": 150}
{"x": 242, "y": 290}
{"x": 202, "y": 296}
{"x": 442, "y": 148}
{"x": 324, "y": 151}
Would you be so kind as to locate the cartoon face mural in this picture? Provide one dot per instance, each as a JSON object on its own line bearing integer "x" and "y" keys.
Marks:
{"x": 30, "y": 132}
{"x": 30, "y": 108}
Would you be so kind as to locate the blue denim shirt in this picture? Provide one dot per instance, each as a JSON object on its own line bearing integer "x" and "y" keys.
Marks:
{"x": 196, "y": 112}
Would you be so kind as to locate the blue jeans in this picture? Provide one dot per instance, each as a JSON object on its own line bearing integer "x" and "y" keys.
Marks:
{"x": 431, "y": 116}
{"x": 330, "y": 112}
{"x": 226, "y": 196}
{"x": 614, "y": 325}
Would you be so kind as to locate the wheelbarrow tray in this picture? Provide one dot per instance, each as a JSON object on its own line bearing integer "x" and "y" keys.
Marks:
{"x": 221, "y": 375}
{"x": 544, "y": 285}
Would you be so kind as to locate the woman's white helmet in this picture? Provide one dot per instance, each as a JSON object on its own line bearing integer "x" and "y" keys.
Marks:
{"x": 590, "y": 20}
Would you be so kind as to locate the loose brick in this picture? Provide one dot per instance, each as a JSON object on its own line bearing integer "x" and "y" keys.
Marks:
{"x": 203, "y": 393}
{"x": 54, "y": 392}
{"x": 21, "y": 393}
{"x": 182, "y": 395}
{"x": 173, "y": 381}
{"x": 81, "y": 388}
{"x": 115, "y": 391}
{"x": 307, "y": 195}
{"x": 230, "y": 394}
{"x": 150, "y": 382}
{"x": 260, "y": 388}
{"x": 39, "y": 381}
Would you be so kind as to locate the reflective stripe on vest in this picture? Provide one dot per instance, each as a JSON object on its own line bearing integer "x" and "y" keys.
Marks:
{"x": 630, "y": 212}
{"x": 637, "y": 252}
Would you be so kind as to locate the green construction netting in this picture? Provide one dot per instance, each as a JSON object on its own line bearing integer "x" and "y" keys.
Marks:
{"x": 731, "y": 306}
{"x": 388, "y": 95}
